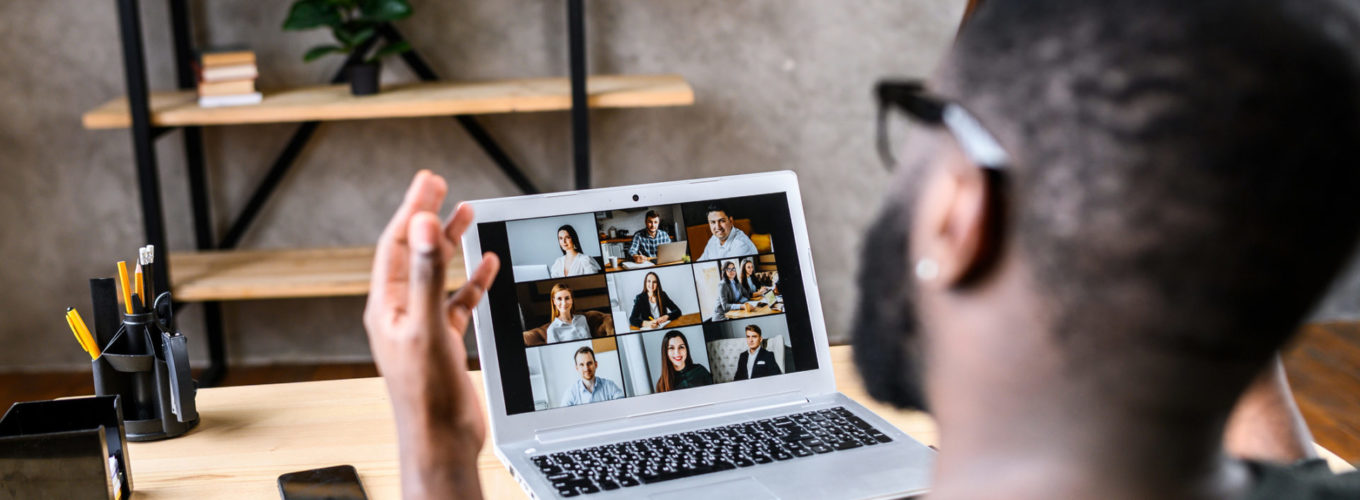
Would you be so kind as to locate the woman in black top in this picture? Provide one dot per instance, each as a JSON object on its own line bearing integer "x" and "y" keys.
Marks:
{"x": 678, "y": 369}
{"x": 753, "y": 286}
{"x": 652, "y": 307}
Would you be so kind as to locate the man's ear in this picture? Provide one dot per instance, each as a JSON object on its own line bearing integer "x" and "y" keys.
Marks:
{"x": 959, "y": 222}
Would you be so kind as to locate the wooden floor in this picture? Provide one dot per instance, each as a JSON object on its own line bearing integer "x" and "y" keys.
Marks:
{"x": 1323, "y": 366}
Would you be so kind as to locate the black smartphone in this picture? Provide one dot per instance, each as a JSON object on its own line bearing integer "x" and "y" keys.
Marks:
{"x": 331, "y": 483}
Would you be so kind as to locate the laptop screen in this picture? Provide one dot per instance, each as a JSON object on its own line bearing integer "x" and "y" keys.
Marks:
{"x": 601, "y": 306}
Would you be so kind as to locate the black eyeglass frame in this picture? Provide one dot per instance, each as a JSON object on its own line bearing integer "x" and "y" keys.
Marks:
{"x": 978, "y": 145}
{"x": 911, "y": 97}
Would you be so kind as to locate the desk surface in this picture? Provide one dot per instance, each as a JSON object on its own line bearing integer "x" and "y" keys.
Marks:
{"x": 251, "y": 434}
{"x": 683, "y": 320}
{"x": 611, "y": 269}
{"x": 760, "y": 310}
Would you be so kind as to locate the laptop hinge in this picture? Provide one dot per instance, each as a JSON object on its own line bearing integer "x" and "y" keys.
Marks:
{"x": 668, "y": 417}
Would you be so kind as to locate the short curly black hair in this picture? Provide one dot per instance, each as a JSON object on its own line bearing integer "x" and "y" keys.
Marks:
{"x": 1185, "y": 173}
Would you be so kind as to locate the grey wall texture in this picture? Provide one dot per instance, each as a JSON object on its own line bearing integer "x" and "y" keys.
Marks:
{"x": 779, "y": 85}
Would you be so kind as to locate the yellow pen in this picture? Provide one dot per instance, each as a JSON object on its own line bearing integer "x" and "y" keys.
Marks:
{"x": 123, "y": 282}
{"x": 85, "y": 334}
{"x": 76, "y": 331}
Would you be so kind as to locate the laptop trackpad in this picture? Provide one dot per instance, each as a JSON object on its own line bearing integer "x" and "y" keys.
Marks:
{"x": 746, "y": 488}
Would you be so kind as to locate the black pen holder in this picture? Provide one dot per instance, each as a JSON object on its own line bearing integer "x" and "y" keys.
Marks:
{"x": 67, "y": 448}
{"x": 158, "y": 397}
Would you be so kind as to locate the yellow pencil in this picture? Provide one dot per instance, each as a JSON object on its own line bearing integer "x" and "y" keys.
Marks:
{"x": 123, "y": 282}
{"x": 85, "y": 334}
{"x": 137, "y": 280}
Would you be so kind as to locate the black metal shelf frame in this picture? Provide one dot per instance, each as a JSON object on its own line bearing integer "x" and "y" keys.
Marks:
{"x": 148, "y": 177}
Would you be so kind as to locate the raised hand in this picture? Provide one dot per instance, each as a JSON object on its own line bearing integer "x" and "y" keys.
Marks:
{"x": 416, "y": 336}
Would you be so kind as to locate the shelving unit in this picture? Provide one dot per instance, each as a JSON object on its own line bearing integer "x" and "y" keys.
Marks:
{"x": 216, "y": 272}
{"x": 281, "y": 274}
{"x": 334, "y": 102}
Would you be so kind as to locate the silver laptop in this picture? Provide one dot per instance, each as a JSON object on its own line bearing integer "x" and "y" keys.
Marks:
{"x": 595, "y": 389}
{"x": 670, "y": 252}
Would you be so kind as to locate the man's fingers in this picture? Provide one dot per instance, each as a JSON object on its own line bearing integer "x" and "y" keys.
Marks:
{"x": 425, "y": 194}
{"x": 426, "y": 280}
{"x": 458, "y": 223}
{"x": 471, "y": 293}
{"x": 390, "y": 265}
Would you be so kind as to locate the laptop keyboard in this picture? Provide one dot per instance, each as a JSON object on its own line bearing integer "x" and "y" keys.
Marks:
{"x": 715, "y": 449}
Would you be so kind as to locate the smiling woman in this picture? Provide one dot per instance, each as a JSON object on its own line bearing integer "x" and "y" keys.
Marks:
{"x": 677, "y": 367}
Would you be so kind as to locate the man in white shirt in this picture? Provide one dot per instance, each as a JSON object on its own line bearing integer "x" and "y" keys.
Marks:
{"x": 589, "y": 389}
{"x": 727, "y": 241}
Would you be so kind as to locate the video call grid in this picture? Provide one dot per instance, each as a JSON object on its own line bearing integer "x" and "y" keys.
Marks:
{"x": 689, "y": 262}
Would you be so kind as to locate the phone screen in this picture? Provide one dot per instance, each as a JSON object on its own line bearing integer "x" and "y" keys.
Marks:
{"x": 331, "y": 483}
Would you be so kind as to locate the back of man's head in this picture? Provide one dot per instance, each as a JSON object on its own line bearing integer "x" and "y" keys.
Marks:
{"x": 1185, "y": 172}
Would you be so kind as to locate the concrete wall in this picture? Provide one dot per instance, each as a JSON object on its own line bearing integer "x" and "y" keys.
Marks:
{"x": 780, "y": 84}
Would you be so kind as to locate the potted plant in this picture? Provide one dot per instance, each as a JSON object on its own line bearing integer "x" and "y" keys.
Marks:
{"x": 354, "y": 24}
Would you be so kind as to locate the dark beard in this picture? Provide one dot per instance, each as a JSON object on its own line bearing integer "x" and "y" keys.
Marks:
{"x": 886, "y": 330}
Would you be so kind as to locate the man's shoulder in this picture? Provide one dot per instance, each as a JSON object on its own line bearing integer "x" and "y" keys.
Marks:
{"x": 1304, "y": 480}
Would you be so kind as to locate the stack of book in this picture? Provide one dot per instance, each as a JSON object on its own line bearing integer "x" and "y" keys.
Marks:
{"x": 227, "y": 78}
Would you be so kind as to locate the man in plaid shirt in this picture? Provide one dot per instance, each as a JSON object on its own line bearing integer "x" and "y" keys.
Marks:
{"x": 644, "y": 243}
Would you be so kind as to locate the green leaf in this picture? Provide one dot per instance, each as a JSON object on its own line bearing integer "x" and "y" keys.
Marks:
{"x": 321, "y": 50}
{"x": 308, "y": 14}
{"x": 385, "y": 10}
{"x": 390, "y": 49}
{"x": 350, "y": 37}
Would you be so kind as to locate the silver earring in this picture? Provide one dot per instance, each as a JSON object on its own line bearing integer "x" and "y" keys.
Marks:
{"x": 927, "y": 269}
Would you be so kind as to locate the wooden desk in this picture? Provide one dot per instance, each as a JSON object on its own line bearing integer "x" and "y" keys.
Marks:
{"x": 764, "y": 310}
{"x": 683, "y": 320}
{"x": 251, "y": 434}
{"x": 611, "y": 269}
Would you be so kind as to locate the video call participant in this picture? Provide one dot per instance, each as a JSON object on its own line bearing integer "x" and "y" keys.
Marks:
{"x": 589, "y": 388}
{"x": 572, "y": 262}
{"x": 645, "y": 242}
{"x": 727, "y": 241}
{"x": 565, "y": 325}
{"x": 756, "y": 361}
{"x": 652, "y": 307}
{"x": 731, "y": 295}
{"x": 753, "y": 286}
{"x": 678, "y": 370}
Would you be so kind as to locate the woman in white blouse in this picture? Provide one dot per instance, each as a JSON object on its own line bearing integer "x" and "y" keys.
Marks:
{"x": 565, "y": 325}
{"x": 572, "y": 262}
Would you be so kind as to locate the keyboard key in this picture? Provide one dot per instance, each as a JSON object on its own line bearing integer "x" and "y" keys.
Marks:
{"x": 847, "y": 444}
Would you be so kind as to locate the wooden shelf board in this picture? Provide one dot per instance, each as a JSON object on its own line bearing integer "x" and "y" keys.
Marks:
{"x": 274, "y": 274}
{"x": 334, "y": 102}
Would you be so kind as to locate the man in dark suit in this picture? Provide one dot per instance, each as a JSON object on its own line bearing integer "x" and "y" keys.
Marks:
{"x": 755, "y": 362}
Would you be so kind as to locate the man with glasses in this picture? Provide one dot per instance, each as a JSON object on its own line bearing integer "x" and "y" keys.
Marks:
{"x": 1091, "y": 251}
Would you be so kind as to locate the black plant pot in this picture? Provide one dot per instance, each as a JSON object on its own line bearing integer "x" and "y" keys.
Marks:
{"x": 363, "y": 78}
